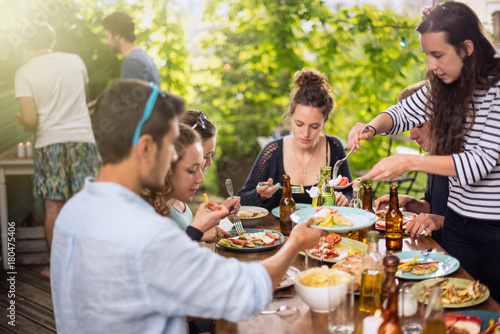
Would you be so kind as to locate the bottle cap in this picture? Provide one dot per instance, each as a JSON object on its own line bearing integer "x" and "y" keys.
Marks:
{"x": 373, "y": 236}
{"x": 356, "y": 183}
{"x": 391, "y": 261}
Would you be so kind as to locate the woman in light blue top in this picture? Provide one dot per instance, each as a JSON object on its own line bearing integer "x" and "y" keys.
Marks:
{"x": 181, "y": 183}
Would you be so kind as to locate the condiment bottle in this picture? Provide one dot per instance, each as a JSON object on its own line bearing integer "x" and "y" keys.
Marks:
{"x": 394, "y": 222}
{"x": 367, "y": 206}
{"x": 355, "y": 203}
{"x": 287, "y": 206}
{"x": 391, "y": 319}
{"x": 328, "y": 198}
{"x": 324, "y": 176}
{"x": 434, "y": 319}
{"x": 371, "y": 278}
{"x": 391, "y": 263}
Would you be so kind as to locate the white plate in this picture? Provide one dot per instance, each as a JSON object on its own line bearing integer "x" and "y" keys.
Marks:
{"x": 290, "y": 275}
{"x": 360, "y": 218}
{"x": 407, "y": 216}
{"x": 253, "y": 209}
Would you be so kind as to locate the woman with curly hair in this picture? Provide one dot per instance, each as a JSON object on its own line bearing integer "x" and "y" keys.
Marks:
{"x": 301, "y": 154}
{"x": 462, "y": 103}
{"x": 181, "y": 183}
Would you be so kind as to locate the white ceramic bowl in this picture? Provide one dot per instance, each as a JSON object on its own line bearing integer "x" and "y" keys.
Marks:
{"x": 317, "y": 297}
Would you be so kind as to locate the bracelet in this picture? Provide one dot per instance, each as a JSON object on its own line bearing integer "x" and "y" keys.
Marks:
{"x": 369, "y": 126}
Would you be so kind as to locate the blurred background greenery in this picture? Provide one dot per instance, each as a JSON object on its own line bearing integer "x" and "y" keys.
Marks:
{"x": 235, "y": 59}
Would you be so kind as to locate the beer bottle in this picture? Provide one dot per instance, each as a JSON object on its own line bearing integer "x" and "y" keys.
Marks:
{"x": 391, "y": 325}
{"x": 371, "y": 277}
{"x": 355, "y": 203}
{"x": 391, "y": 263}
{"x": 324, "y": 176}
{"x": 394, "y": 222}
{"x": 367, "y": 206}
{"x": 287, "y": 206}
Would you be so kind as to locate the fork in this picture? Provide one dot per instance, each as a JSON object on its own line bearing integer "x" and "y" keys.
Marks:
{"x": 236, "y": 219}
{"x": 339, "y": 163}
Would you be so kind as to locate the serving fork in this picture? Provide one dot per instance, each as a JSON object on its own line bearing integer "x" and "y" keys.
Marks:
{"x": 339, "y": 163}
{"x": 236, "y": 219}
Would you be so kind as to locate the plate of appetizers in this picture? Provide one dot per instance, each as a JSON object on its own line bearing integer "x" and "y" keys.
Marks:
{"x": 336, "y": 248}
{"x": 335, "y": 218}
{"x": 252, "y": 240}
{"x": 415, "y": 265}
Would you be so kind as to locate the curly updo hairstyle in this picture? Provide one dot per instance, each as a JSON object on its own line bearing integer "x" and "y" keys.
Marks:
{"x": 158, "y": 199}
{"x": 190, "y": 117}
{"x": 311, "y": 89}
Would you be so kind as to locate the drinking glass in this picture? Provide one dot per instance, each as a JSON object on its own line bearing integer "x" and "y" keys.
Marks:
{"x": 341, "y": 306}
{"x": 410, "y": 309}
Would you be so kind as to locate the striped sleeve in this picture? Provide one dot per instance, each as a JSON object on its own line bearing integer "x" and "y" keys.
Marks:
{"x": 482, "y": 149}
{"x": 408, "y": 113}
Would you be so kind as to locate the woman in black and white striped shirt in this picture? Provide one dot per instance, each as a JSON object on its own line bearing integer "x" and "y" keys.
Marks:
{"x": 462, "y": 101}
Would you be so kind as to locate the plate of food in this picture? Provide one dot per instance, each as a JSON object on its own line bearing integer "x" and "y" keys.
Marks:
{"x": 455, "y": 292}
{"x": 335, "y": 218}
{"x": 252, "y": 240}
{"x": 380, "y": 223}
{"x": 298, "y": 206}
{"x": 416, "y": 266}
{"x": 336, "y": 248}
{"x": 475, "y": 321}
{"x": 252, "y": 212}
{"x": 288, "y": 278}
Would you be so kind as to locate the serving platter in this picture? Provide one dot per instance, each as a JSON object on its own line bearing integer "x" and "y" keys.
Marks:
{"x": 360, "y": 218}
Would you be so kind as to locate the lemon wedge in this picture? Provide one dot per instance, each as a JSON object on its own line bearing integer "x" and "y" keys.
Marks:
{"x": 408, "y": 263}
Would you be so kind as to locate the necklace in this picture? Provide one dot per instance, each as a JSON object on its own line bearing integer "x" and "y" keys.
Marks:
{"x": 304, "y": 170}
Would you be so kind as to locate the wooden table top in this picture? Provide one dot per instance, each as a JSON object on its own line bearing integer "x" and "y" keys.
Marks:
{"x": 308, "y": 321}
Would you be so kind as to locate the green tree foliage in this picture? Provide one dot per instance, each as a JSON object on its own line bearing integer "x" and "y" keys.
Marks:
{"x": 266, "y": 42}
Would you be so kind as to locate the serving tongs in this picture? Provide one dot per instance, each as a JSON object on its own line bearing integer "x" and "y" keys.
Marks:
{"x": 236, "y": 219}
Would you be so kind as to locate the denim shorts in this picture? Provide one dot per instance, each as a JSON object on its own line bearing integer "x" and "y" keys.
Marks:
{"x": 60, "y": 169}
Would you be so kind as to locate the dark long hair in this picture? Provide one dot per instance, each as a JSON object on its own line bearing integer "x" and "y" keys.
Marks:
{"x": 450, "y": 107}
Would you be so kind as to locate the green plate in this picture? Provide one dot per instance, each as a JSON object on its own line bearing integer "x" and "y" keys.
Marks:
{"x": 354, "y": 244}
{"x": 360, "y": 218}
{"x": 258, "y": 248}
{"x": 447, "y": 264}
{"x": 458, "y": 282}
{"x": 298, "y": 206}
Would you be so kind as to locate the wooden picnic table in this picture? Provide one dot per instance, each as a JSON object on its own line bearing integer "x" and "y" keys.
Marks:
{"x": 309, "y": 321}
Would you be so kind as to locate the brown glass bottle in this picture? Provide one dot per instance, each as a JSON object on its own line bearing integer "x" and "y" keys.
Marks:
{"x": 391, "y": 263}
{"x": 287, "y": 206}
{"x": 391, "y": 325}
{"x": 394, "y": 222}
{"x": 391, "y": 320}
{"x": 367, "y": 206}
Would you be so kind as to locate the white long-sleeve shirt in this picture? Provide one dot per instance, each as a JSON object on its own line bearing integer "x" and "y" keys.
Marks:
{"x": 118, "y": 267}
{"x": 475, "y": 192}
